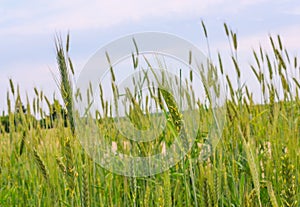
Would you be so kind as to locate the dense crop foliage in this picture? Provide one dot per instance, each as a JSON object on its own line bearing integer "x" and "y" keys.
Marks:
{"x": 256, "y": 162}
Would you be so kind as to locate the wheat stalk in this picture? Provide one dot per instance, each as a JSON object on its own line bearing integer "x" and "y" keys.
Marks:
{"x": 85, "y": 184}
{"x": 253, "y": 168}
{"x": 167, "y": 190}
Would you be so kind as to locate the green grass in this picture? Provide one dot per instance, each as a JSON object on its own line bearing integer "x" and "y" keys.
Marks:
{"x": 256, "y": 162}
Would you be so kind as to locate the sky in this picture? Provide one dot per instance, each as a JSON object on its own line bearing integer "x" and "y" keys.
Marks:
{"x": 28, "y": 30}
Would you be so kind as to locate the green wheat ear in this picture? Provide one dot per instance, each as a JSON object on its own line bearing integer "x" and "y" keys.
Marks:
{"x": 253, "y": 168}
{"x": 272, "y": 194}
{"x": 288, "y": 179}
{"x": 71, "y": 173}
{"x": 167, "y": 190}
{"x": 61, "y": 165}
{"x": 159, "y": 196}
{"x": 65, "y": 66}
{"x": 136, "y": 114}
{"x": 147, "y": 194}
{"x": 85, "y": 188}
{"x": 41, "y": 165}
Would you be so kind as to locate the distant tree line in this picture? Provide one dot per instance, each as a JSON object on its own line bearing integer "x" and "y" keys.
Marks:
{"x": 20, "y": 118}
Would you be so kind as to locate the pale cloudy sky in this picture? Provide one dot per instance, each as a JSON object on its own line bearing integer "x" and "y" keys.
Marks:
{"x": 28, "y": 28}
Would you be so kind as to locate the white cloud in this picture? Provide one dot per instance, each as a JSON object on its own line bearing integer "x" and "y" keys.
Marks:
{"x": 78, "y": 14}
{"x": 46, "y": 17}
{"x": 293, "y": 11}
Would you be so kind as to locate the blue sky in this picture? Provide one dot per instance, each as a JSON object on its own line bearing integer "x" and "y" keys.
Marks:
{"x": 28, "y": 28}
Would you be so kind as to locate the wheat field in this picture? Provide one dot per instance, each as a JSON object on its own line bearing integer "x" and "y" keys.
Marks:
{"x": 255, "y": 163}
